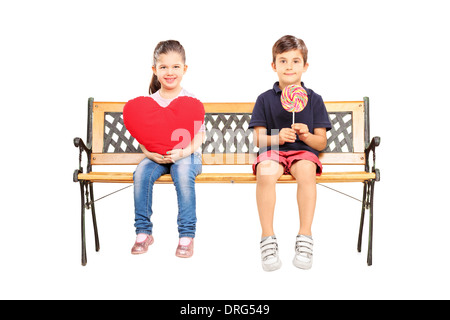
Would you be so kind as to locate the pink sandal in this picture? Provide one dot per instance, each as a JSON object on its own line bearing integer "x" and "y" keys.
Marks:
{"x": 142, "y": 246}
{"x": 185, "y": 248}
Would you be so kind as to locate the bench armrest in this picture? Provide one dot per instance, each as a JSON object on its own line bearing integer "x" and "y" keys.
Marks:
{"x": 374, "y": 143}
{"x": 371, "y": 148}
{"x": 79, "y": 143}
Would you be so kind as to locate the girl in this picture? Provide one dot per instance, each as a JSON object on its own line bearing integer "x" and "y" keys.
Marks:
{"x": 183, "y": 164}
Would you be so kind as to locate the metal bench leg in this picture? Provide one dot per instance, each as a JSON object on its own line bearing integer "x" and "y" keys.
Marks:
{"x": 363, "y": 211}
{"x": 94, "y": 219}
{"x": 367, "y": 203}
{"x": 83, "y": 231}
{"x": 369, "y": 252}
{"x": 87, "y": 202}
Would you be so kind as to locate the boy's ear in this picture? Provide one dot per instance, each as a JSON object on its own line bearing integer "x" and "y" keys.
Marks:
{"x": 274, "y": 66}
{"x": 185, "y": 68}
{"x": 305, "y": 67}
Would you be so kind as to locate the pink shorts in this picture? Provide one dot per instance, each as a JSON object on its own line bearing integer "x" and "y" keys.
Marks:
{"x": 287, "y": 158}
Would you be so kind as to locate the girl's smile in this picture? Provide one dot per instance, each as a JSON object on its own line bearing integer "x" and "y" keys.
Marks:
{"x": 169, "y": 70}
{"x": 170, "y": 80}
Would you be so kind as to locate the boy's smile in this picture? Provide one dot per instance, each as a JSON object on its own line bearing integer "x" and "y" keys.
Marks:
{"x": 290, "y": 67}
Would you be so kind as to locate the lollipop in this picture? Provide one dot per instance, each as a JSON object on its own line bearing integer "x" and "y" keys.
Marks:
{"x": 294, "y": 99}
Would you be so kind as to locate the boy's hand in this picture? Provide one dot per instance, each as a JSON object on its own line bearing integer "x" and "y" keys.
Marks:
{"x": 302, "y": 130}
{"x": 286, "y": 135}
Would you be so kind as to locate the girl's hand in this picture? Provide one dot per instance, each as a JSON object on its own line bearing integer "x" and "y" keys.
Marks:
{"x": 156, "y": 157}
{"x": 286, "y": 135}
{"x": 159, "y": 158}
{"x": 175, "y": 155}
{"x": 302, "y": 130}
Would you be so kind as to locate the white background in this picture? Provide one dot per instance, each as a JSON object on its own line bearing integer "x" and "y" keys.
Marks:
{"x": 57, "y": 54}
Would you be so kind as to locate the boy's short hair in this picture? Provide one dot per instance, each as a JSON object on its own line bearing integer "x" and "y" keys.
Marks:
{"x": 288, "y": 43}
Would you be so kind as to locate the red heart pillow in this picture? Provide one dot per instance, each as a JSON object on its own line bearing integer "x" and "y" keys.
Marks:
{"x": 162, "y": 129}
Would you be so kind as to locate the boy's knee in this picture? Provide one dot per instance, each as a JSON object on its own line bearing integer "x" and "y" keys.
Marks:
{"x": 268, "y": 172}
{"x": 304, "y": 171}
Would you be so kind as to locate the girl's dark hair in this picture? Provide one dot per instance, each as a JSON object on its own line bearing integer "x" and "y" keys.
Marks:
{"x": 288, "y": 43}
{"x": 164, "y": 47}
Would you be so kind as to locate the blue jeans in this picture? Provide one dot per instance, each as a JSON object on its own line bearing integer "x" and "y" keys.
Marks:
{"x": 183, "y": 174}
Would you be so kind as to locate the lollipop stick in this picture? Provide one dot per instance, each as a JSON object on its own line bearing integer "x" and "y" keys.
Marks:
{"x": 293, "y": 117}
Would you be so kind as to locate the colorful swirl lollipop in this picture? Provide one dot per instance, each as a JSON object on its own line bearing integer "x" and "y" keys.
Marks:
{"x": 294, "y": 99}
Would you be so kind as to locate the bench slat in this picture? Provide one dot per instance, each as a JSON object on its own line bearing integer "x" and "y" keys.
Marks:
{"x": 355, "y": 158}
{"x": 326, "y": 177}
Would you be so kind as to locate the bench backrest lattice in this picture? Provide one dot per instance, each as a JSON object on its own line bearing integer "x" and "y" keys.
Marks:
{"x": 228, "y": 140}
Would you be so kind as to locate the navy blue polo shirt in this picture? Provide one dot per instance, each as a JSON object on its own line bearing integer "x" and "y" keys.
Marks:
{"x": 269, "y": 113}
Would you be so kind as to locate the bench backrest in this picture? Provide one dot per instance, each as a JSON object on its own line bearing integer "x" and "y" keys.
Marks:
{"x": 228, "y": 140}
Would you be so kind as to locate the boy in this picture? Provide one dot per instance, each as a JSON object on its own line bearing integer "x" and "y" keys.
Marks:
{"x": 288, "y": 148}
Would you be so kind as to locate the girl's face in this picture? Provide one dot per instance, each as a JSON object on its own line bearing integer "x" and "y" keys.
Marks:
{"x": 290, "y": 67}
{"x": 169, "y": 70}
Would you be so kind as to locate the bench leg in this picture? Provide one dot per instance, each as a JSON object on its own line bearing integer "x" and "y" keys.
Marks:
{"x": 94, "y": 219}
{"x": 367, "y": 203}
{"x": 363, "y": 211}
{"x": 87, "y": 202}
{"x": 83, "y": 230}
{"x": 369, "y": 252}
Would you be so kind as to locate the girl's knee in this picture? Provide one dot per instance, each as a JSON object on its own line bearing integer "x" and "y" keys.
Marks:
{"x": 148, "y": 172}
{"x": 184, "y": 175}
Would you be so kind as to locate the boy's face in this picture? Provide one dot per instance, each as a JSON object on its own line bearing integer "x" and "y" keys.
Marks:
{"x": 289, "y": 66}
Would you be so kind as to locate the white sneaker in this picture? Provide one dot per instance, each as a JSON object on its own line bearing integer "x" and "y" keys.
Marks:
{"x": 303, "y": 258}
{"x": 269, "y": 254}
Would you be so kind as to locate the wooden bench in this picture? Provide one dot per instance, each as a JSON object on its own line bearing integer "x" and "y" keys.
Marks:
{"x": 228, "y": 142}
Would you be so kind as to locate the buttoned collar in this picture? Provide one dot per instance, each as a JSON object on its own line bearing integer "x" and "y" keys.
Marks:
{"x": 276, "y": 88}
